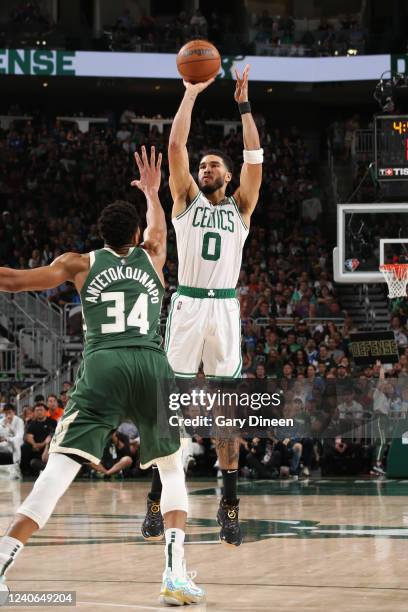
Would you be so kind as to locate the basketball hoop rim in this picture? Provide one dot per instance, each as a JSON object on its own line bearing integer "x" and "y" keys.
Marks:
{"x": 396, "y": 277}
{"x": 399, "y": 270}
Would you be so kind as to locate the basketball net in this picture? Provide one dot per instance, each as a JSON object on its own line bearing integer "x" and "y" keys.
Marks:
{"x": 396, "y": 276}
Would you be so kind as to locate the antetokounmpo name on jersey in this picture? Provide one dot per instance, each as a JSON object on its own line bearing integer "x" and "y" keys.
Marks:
{"x": 119, "y": 273}
{"x": 216, "y": 219}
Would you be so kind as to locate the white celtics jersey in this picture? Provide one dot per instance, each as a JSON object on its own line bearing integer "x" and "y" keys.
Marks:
{"x": 210, "y": 240}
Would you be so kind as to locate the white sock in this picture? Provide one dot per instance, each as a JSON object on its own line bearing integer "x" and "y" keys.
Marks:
{"x": 175, "y": 551}
{"x": 10, "y": 548}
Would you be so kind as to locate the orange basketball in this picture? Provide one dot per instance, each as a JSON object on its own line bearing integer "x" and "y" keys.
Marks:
{"x": 198, "y": 61}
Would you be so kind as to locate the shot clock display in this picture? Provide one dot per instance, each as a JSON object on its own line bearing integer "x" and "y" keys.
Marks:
{"x": 391, "y": 147}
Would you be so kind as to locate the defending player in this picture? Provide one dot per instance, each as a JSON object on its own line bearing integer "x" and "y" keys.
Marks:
{"x": 204, "y": 318}
{"x": 121, "y": 289}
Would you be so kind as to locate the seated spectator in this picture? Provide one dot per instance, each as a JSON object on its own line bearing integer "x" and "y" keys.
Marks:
{"x": 341, "y": 458}
{"x": 38, "y": 434}
{"x": 288, "y": 447}
{"x": 349, "y": 408}
{"x": 11, "y": 436}
{"x": 55, "y": 411}
{"x": 116, "y": 457}
{"x": 400, "y": 333}
{"x": 129, "y": 429}
{"x": 63, "y": 399}
{"x": 324, "y": 357}
{"x": 198, "y": 24}
{"x": 303, "y": 423}
{"x": 125, "y": 20}
{"x": 28, "y": 414}
{"x": 260, "y": 458}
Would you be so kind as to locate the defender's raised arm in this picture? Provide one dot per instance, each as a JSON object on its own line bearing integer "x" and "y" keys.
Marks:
{"x": 155, "y": 234}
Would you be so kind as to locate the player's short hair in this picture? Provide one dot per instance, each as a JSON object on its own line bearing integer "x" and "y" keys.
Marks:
{"x": 228, "y": 163}
{"x": 9, "y": 407}
{"x": 118, "y": 223}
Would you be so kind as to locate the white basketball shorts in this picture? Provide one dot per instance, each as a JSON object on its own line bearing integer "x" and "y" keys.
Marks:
{"x": 204, "y": 330}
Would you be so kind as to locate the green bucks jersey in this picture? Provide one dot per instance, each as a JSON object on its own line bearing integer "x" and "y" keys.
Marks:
{"x": 121, "y": 301}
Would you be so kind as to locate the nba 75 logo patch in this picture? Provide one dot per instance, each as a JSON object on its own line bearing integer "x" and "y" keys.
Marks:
{"x": 179, "y": 305}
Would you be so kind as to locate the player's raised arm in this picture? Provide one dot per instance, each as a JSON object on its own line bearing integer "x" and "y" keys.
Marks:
{"x": 67, "y": 267}
{"x": 182, "y": 185}
{"x": 251, "y": 173}
{"x": 155, "y": 234}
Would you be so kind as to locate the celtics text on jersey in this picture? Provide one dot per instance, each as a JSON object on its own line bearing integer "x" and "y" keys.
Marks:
{"x": 210, "y": 239}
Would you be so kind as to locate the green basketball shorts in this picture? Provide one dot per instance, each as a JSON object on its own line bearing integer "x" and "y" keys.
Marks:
{"x": 113, "y": 385}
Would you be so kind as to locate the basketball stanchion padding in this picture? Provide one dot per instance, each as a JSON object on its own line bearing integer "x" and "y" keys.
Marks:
{"x": 397, "y": 460}
{"x": 396, "y": 276}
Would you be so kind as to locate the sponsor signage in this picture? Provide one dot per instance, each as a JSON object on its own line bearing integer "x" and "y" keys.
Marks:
{"x": 392, "y": 172}
{"x": 40, "y": 62}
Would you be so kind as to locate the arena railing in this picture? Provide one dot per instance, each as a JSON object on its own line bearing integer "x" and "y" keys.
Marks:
{"x": 8, "y": 361}
{"x": 45, "y": 350}
{"x": 46, "y": 313}
{"x": 33, "y": 336}
{"x": 288, "y": 322}
{"x": 49, "y": 384}
{"x": 284, "y": 322}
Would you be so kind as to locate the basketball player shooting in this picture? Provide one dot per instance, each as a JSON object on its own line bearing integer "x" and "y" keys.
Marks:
{"x": 204, "y": 317}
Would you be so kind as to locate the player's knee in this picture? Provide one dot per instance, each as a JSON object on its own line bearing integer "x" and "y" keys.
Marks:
{"x": 52, "y": 483}
{"x": 174, "y": 491}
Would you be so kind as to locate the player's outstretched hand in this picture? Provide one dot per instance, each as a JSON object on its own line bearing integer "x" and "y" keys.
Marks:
{"x": 197, "y": 88}
{"x": 150, "y": 170}
{"x": 241, "y": 87}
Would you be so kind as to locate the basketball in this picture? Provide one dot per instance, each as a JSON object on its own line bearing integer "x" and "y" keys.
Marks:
{"x": 198, "y": 61}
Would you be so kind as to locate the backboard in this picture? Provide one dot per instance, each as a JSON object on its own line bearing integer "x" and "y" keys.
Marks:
{"x": 369, "y": 235}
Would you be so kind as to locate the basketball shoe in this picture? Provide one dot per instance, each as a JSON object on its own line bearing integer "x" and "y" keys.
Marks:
{"x": 180, "y": 591}
{"x": 228, "y": 520}
{"x": 153, "y": 528}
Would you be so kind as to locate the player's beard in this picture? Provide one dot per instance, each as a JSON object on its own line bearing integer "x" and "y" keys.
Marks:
{"x": 209, "y": 188}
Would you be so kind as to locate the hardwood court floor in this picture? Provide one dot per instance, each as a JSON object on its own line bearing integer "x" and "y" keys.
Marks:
{"x": 309, "y": 546}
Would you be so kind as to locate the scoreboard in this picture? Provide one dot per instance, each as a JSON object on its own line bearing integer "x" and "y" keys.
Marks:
{"x": 391, "y": 147}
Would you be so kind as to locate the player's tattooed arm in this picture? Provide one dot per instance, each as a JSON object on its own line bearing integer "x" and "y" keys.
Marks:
{"x": 247, "y": 193}
{"x": 227, "y": 452}
{"x": 67, "y": 267}
{"x": 182, "y": 185}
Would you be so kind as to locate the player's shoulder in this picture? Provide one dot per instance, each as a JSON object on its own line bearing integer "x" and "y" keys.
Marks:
{"x": 189, "y": 206}
{"x": 75, "y": 262}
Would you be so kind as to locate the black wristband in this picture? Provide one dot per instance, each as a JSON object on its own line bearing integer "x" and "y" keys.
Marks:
{"x": 244, "y": 107}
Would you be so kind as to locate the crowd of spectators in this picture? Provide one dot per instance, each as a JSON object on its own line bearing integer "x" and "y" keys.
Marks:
{"x": 340, "y": 422}
{"x": 25, "y": 440}
{"x": 285, "y": 36}
{"x": 28, "y": 13}
{"x": 136, "y": 29}
{"x": 261, "y": 34}
{"x": 30, "y": 26}
{"x": 144, "y": 32}
{"x": 54, "y": 180}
